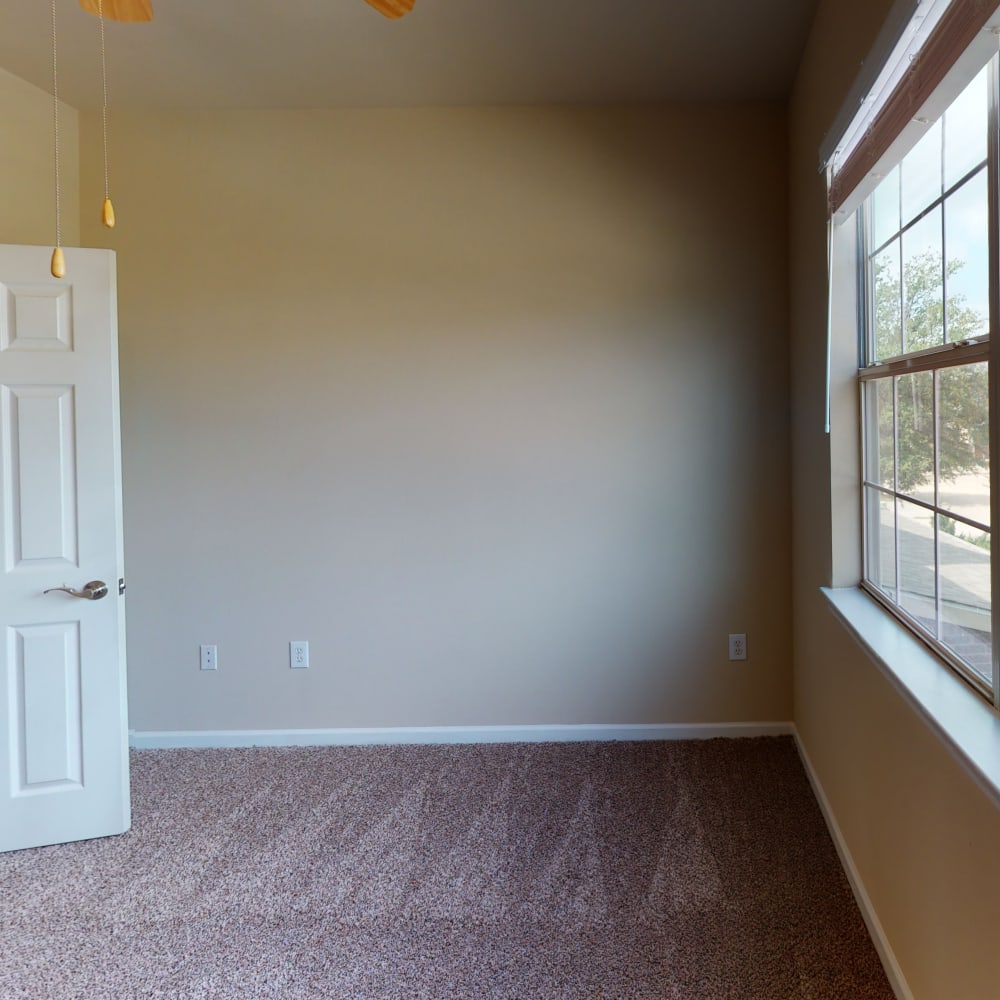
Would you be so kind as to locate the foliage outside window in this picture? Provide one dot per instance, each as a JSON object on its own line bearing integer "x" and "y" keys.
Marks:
{"x": 925, "y": 378}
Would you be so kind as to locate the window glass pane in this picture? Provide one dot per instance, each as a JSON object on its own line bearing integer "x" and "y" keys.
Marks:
{"x": 915, "y": 430}
{"x": 965, "y": 125}
{"x": 923, "y": 285}
{"x": 885, "y": 209}
{"x": 963, "y": 414}
{"x": 880, "y": 451}
{"x": 887, "y": 306}
{"x": 967, "y": 244}
{"x": 880, "y": 512}
{"x": 920, "y": 174}
{"x": 964, "y": 565}
{"x": 916, "y": 562}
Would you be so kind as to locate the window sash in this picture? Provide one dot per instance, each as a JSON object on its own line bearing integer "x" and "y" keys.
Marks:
{"x": 940, "y": 613}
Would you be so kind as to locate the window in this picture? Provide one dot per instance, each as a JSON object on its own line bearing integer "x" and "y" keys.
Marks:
{"x": 925, "y": 377}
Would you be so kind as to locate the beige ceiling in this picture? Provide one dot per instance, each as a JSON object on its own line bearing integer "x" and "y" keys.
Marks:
{"x": 341, "y": 53}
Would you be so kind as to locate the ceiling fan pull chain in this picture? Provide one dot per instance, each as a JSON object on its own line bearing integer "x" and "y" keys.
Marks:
{"x": 107, "y": 209}
{"x": 58, "y": 264}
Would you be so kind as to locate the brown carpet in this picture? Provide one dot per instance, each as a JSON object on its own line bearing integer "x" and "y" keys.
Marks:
{"x": 683, "y": 870}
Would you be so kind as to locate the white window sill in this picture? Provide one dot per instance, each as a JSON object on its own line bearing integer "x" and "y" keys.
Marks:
{"x": 967, "y": 725}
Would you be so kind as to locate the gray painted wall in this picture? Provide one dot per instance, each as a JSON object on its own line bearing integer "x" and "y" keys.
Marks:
{"x": 488, "y": 405}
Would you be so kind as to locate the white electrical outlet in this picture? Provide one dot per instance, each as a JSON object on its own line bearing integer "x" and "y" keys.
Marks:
{"x": 298, "y": 655}
{"x": 209, "y": 657}
{"x": 737, "y": 646}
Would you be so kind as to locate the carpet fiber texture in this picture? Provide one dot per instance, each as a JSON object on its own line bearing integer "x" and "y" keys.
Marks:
{"x": 683, "y": 870}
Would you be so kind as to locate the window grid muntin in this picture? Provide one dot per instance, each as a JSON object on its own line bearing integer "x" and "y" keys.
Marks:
{"x": 969, "y": 522}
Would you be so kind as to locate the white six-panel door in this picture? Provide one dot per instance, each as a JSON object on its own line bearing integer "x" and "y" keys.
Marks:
{"x": 63, "y": 725}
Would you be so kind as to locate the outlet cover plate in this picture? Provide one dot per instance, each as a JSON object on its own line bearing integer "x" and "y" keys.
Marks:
{"x": 298, "y": 654}
{"x": 737, "y": 646}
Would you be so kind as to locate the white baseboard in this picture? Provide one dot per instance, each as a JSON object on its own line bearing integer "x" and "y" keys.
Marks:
{"x": 449, "y": 734}
{"x": 892, "y": 968}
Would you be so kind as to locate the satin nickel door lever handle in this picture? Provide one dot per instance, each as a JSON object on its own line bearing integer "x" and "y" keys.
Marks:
{"x": 92, "y": 591}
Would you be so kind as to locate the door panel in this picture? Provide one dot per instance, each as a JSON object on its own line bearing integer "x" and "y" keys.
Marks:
{"x": 63, "y": 727}
{"x": 40, "y": 482}
{"x": 36, "y": 318}
{"x": 47, "y": 737}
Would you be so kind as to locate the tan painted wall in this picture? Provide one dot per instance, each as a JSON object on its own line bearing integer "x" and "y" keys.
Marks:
{"x": 27, "y": 206}
{"x": 489, "y": 406}
{"x": 921, "y": 833}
